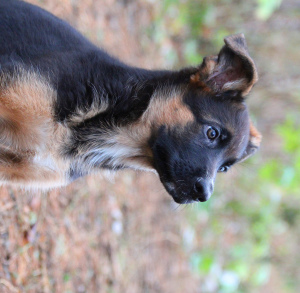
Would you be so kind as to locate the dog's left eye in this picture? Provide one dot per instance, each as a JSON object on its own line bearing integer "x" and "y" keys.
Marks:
{"x": 212, "y": 133}
{"x": 224, "y": 169}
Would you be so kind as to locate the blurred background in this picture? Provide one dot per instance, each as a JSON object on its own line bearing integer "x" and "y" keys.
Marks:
{"x": 126, "y": 235}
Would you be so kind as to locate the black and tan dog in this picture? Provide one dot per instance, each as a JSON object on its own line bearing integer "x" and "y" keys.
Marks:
{"x": 68, "y": 109}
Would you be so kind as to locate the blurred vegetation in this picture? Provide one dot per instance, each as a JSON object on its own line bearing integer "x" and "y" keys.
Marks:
{"x": 97, "y": 236}
{"x": 185, "y": 20}
{"x": 252, "y": 224}
{"x": 266, "y": 8}
{"x": 236, "y": 251}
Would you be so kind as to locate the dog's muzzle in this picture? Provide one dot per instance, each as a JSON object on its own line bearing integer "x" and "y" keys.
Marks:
{"x": 198, "y": 190}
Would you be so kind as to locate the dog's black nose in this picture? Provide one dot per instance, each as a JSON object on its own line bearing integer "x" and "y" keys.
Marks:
{"x": 202, "y": 189}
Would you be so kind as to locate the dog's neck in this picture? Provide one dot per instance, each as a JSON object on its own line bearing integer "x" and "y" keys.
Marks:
{"x": 106, "y": 86}
{"x": 114, "y": 130}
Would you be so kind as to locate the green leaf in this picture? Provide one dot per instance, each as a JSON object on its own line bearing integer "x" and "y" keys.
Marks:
{"x": 262, "y": 275}
{"x": 266, "y": 8}
{"x": 67, "y": 277}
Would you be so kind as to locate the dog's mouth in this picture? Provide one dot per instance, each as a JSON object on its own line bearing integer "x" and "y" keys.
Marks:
{"x": 185, "y": 178}
{"x": 181, "y": 196}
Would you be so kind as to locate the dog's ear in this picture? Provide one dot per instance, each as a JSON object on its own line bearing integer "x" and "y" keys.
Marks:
{"x": 232, "y": 70}
{"x": 253, "y": 144}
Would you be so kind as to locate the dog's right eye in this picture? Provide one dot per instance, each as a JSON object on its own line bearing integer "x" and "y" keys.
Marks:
{"x": 223, "y": 169}
{"x": 212, "y": 133}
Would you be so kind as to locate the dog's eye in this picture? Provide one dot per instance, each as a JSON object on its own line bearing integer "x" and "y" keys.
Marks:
{"x": 212, "y": 133}
{"x": 224, "y": 169}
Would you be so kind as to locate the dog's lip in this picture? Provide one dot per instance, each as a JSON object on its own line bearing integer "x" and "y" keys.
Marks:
{"x": 170, "y": 186}
{"x": 171, "y": 189}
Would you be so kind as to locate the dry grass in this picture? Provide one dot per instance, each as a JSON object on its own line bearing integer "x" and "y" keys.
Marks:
{"x": 91, "y": 237}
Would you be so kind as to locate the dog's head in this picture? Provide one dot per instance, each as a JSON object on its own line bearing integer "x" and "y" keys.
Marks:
{"x": 206, "y": 129}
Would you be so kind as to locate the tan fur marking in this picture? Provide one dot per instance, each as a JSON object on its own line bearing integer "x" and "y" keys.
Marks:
{"x": 29, "y": 138}
{"x": 169, "y": 111}
{"x": 92, "y": 111}
{"x": 23, "y": 126}
{"x": 197, "y": 81}
{"x": 134, "y": 138}
{"x": 208, "y": 66}
{"x": 8, "y": 158}
{"x": 255, "y": 136}
{"x": 235, "y": 85}
{"x": 164, "y": 109}
{"x": 195, "y": 78}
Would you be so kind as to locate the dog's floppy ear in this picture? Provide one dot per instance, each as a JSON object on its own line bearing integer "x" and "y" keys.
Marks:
{"x": 253, "y": 144}
{"x": 232, "y": 70}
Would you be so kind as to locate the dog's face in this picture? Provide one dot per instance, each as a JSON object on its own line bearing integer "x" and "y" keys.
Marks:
{"x": 218, "y": 133}
{"x": 188, "y": 158}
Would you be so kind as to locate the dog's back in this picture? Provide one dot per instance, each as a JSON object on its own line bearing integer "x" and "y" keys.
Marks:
{"x": 28, "y": 32}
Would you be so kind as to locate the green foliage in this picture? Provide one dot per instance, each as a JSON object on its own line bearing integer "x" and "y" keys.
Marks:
{"x": 282, "y": 172}
{"x": 233, "y": 249}
{"x": 197, "y": 23}
{"x": 187, "y": 15}
{"x": 189, "y": 20}
{"x": 242, "y": 263}
{"x": 66, "y": 277}
{"x": 266, "y": 8}
{"x": 203, "y": 263}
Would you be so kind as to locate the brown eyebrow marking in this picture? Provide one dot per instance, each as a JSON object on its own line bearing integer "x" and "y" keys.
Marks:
{"x": 255, "y": 136}
{"x": 165, "y": 108}
{"x": 170, "y": 111}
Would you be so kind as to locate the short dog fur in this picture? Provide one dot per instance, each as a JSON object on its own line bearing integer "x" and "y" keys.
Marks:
{"x": 68, "y": 109}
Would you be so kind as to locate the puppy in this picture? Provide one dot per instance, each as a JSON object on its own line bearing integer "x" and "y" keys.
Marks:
{"x": 68, "y": 109}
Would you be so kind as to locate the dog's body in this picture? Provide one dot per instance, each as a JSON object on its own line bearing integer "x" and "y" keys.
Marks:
{"x": 68, "y": 109}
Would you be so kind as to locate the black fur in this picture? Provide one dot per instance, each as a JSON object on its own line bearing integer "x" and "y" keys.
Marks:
{"x": 84, "y": 76}
{"x": 36, "y": 39}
